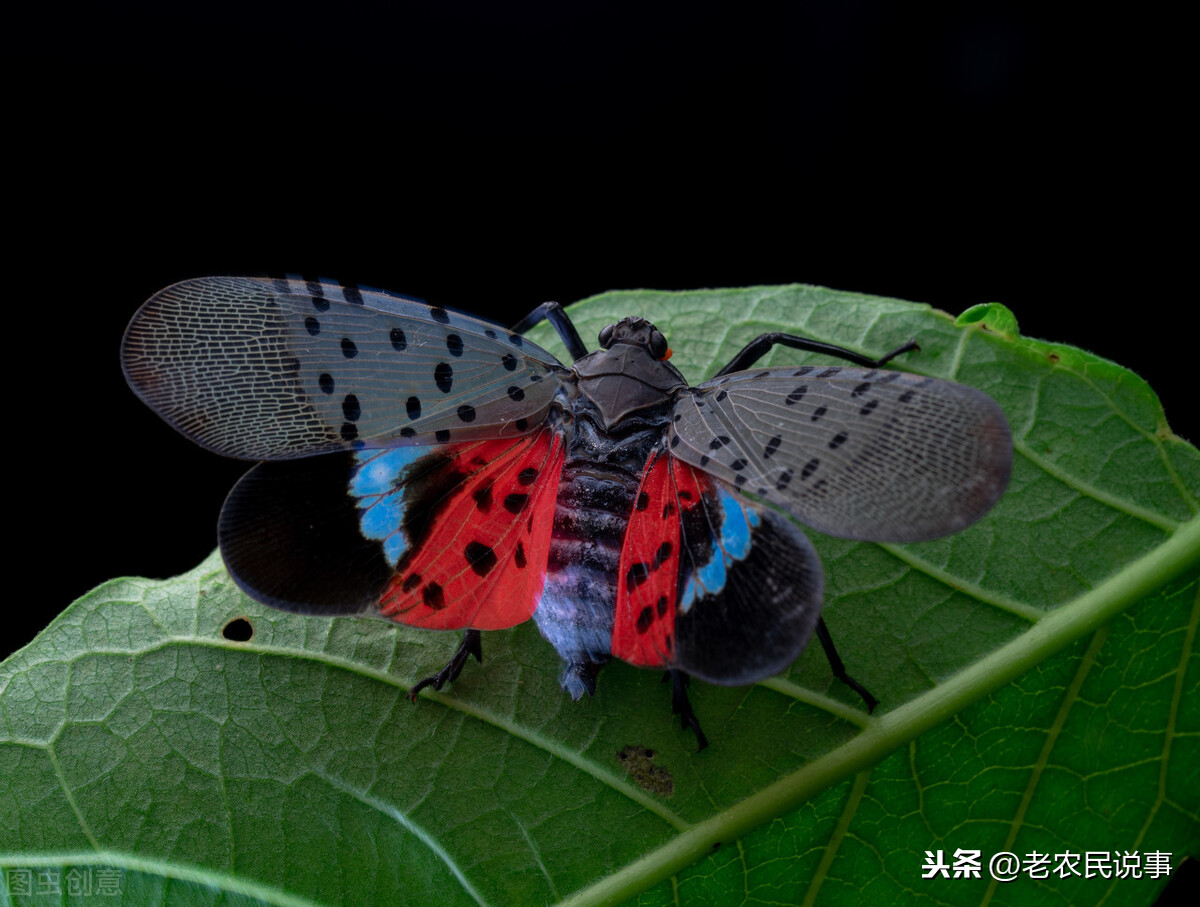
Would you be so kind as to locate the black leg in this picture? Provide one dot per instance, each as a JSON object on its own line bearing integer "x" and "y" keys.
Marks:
{"x": 839, "y": 669}
{"x": 471, "y": 645}
{"x": 761, "y": 345}
{"x": 558, "y": 317}
{"x": 681, "y": 706}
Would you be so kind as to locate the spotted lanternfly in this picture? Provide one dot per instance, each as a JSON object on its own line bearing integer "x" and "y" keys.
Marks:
{"x": 445, "y": 472}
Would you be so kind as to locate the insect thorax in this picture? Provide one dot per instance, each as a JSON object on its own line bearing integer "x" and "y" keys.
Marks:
{"x": 625, "y": 380}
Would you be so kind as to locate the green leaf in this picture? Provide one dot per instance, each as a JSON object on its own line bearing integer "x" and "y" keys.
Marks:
{"x": 1037, "y": 673}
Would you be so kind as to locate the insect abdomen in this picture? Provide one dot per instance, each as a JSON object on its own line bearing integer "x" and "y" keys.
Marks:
{"x": 596, "y": 495}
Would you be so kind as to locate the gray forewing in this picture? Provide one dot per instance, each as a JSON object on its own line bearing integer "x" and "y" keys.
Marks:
{"x": 863, "y": 454}
{"x": 275, "y": 369}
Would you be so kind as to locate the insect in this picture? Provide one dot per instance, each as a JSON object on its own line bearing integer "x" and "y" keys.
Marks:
{"x": 444, "y": 472}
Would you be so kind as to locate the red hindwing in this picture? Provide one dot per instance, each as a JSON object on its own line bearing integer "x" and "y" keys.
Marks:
{"x": 481, "y": 563}
{"x": 648, "y": 589}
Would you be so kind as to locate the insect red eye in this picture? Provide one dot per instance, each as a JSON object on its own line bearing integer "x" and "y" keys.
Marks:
{"x": 658, "y": 346}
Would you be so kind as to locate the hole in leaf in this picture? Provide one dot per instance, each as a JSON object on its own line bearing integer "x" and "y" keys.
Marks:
{"x": 238, "y": 630}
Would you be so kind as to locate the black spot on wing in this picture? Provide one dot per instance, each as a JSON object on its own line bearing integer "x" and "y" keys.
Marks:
{"x": 660, "y": 556}
{"x": 433, "y": 596}
{"x": 645, "y": 619}
{"x": 480, "y": 557}
{"x": 637, "y": 574}
{"x": 483, "y": 498}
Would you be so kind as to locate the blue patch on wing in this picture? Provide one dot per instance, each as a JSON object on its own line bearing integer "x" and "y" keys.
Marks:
{"x": 381, "y": 499}
{"x": 737, "y": 524}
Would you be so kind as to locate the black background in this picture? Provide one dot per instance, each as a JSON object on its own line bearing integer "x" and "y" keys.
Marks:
{"x": 490, "y": 156}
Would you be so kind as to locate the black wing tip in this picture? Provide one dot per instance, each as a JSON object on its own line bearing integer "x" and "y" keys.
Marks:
{"x": 290, "y": 538}
{"x": 762, "y": 618}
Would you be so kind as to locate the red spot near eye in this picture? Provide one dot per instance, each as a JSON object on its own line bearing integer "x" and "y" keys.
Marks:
{"x": 667, "y": 355}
